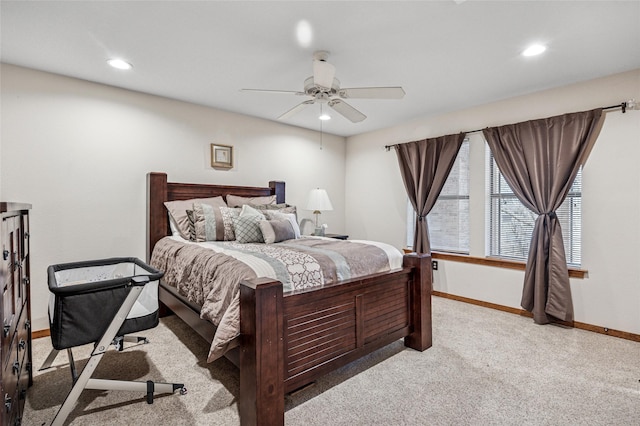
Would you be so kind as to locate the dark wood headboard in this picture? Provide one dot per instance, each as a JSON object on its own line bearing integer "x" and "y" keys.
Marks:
{"x": 160, "y": 190}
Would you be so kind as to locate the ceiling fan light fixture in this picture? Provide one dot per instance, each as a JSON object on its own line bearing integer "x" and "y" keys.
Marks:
{"x": 323, "y": 88}
{"x": 534, "y": 50}
{"x": 120, "y": 64}
{"x": 324, "y": 117}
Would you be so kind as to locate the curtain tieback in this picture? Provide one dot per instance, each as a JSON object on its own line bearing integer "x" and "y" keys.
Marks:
{"x": 552, "y": 215}
{"x": 421, "y": 218}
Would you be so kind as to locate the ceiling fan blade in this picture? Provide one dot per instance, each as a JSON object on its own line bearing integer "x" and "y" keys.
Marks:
{"x": 349, "y": 112}
{"x": 323, "y": 73}
{"x": 296, "y": 109}
{"x": 285, "y": 92}
{"x": 372, "y": 93}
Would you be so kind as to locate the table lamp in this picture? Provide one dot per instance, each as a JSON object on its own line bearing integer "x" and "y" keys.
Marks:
{"x": 318, "y": 202}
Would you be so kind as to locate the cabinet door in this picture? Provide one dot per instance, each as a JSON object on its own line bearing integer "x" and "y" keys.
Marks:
{"x": 24, "y": 226}
{"x": 10, "y": 376}
{"x": 25, "y": 269}
{"x": 15, "y": 232}
{"x": 8, "y": 306}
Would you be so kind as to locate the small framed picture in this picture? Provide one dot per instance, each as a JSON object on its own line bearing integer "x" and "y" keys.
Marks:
{"x": 221, "y": 156}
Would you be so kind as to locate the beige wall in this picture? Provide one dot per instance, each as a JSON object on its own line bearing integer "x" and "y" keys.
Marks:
{"x": 79, "y": 152}
{"x": 610, "y": 296}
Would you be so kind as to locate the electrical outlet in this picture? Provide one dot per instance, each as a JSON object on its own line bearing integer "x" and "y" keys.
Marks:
{"x": 434, "y": 265}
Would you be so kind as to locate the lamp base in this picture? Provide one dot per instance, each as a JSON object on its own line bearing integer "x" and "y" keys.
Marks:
{"x": 319, "y": 231}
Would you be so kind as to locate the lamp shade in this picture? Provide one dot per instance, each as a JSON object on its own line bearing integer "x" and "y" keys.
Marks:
{"x": 319, "y": 200}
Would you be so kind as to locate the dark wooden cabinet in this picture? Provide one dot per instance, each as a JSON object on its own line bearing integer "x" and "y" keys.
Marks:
{"x": 15, "y": 357}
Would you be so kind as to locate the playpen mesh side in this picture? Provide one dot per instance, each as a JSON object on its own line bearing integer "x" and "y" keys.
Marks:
{"x": 78, "y": 318}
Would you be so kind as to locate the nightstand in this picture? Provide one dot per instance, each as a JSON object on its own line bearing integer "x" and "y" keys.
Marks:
{"x": 337, "y": 236}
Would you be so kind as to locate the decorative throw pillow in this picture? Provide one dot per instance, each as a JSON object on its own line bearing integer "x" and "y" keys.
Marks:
{"x": 213, "y": 223}
{"x": 178, "y": 211}
{"x": 237, "y": 201}
{"x": 247, "y": 229}
{"x": 247, "y": 225}
{"x": 192, "y": 228}
{"x": 282, "y": 208}
{"x": 276, "y": 215}
{"x": 274, "y": 231}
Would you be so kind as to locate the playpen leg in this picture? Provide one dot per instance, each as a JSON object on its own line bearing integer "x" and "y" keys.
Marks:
{"x": 72, "y": 366}
{"x": 135, "y": 339}
{"x": 118, "y": 342}
{"x": 50, "y": 358}
{"x": 76, "y": 390}
{"x": 149, "y": 387}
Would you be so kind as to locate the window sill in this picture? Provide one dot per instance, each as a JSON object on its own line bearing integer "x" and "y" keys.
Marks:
{"x": 498, "y": 263}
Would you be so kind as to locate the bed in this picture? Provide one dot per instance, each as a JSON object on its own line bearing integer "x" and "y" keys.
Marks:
{"x": 278, "y": 353}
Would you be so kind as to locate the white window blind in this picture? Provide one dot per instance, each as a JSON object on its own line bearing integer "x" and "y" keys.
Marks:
{"x": 511, "y": 224}
{"x": 449, "y": 219}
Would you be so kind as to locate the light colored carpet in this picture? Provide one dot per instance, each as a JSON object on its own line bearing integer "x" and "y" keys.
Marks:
{"x": 485, "y": 368}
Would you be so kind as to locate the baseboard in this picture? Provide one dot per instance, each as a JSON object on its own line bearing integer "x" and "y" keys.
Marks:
{"x": 574, "y": 324}
{"x": 40, "y": 333}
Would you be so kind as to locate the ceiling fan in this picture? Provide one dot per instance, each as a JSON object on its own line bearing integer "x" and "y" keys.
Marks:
{"x": 324, "y": 88}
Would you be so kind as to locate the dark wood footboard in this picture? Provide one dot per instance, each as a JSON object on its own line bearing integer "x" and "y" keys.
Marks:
{"x": 288, "y": 341}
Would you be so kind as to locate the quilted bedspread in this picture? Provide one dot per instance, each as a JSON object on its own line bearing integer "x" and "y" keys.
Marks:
{"x": 209, "y": 274}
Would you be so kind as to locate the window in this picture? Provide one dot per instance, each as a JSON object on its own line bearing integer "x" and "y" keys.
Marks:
{"x": 449, "y": 219}
{"x": 511, "y": 223}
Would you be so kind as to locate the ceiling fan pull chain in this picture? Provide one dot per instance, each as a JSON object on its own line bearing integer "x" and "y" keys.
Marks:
{"x": 321, "y": 128}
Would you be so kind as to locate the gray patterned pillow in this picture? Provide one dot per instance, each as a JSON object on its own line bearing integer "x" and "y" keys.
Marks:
{"x": 247, "y": 229}
{"x": 275, "y": 231}
{"x": 247, "y": 225}
{"x": 213, "y": 223}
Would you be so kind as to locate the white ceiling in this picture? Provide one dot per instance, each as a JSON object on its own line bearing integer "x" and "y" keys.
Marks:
{"x": 447, "y": 55}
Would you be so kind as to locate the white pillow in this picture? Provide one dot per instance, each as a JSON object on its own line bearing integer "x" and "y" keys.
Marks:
{"x": 174, "y": 228}
{"x": 247, "y": 210}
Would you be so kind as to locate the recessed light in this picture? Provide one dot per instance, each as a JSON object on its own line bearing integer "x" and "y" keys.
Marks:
{"x": 325, "y": 117}
{"x": 534, "y": 49}
{"x": 120, "y": 64}
{"x": 304, "y": 33}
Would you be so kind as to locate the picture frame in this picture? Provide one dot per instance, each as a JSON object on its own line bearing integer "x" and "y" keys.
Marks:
{"x": 221, "y": 156}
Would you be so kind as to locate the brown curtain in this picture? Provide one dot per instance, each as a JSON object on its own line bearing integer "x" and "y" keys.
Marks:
{"x": 539, "y": 160}
{"x": 424, "y": 166}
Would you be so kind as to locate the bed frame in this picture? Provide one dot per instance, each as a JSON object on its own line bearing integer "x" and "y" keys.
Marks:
{"x": 289, "y": 340}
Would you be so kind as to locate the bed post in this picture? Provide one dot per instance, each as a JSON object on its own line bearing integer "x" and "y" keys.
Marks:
{"x": 277, "y": 189}
{"x": 261, "y": 353}
{"x": 157, "y": 221}
{"x": 420, "y": 338}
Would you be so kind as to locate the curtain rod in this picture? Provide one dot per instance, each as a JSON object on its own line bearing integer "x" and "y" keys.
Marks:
{"x": 622, "y": 106}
